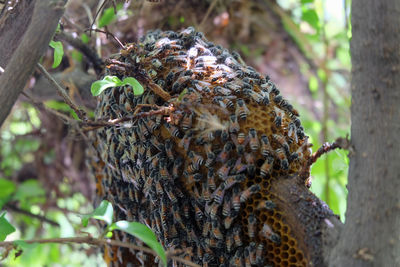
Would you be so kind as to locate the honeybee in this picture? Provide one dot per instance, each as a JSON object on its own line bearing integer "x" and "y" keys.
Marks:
{"x": 206, "y": 228}
{"x": 229, "y": 241}
{"x": 224, "y": 170}
{"x": 173, "y": 130}
{"x": 211, "y": 179}
{"x": 248, "y": 192}
{"x": 232, "y": 180}
{"x": 213, "y": 211}
{"x": 223, "y": 156}
{"x": 252, "y": 252}
{"x": 282, "y": 142}
{"x": 251, "y": 226}
{"x": 234, "y": 87}
{"x": 193, "y": 177}
{"x": 268, "y": 233}
{"x": 254, "y": 143}
{"x": 185, "y": 141}
{"x": 176, "y": 167}
{"x": 176, "y": 215}
{"x": 241, "y": 110}
{"x": 266, "y": 167}
{"x": 216, "y": 231}
{"x": 251, "y": 163}
{"x": 239, "y": 166}
{"x": 236, "y": 198}
{"x": 168, "y": 149}
{"x": 259, "y": 254}
{"x": 266, "y": 204}
{"x": 240, "y": 142}
{"x": 170, "y": 194}
{"x": 234, "y": 126}
{"x": 187, "y": 121}
{"x": 198, "y": 212}
{"x": 237, "y": 259}
{"x": 266, "y": 149}
{"x": 206, "y": 192}
{"x": 226, "y": 208}
{"x": 196, "y": 159}
{"x": 164, "y": 174}
{"x": 218, "y": 195}
{"x": 236, "y": 236}
{"x": 282, "y": 157}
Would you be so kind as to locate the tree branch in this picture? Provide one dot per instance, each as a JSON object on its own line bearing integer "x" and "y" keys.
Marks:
{"x": 32, "y": 46}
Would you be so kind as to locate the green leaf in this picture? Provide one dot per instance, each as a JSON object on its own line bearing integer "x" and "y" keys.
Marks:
{"x": 103, "y": 212}
{"x": 311, "y": 16}
{"x": 99, "y": 86}
{"x": 58, "y": 52}
{"x": 7, "y": 187}
{"x": 108, "y": 16}
{"x": 136, "y": 86}
{"x": 85, "y": 38}
{"x": 28, "y": 189}
{"x": 142, "y": 232}
{"x": 5, "y": 227}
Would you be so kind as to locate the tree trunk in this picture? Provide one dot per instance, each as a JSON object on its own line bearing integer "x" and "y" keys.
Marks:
{"x": 371, "y": 235}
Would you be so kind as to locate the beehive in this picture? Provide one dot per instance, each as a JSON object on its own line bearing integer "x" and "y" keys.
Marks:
{"x": 197, "y": 160}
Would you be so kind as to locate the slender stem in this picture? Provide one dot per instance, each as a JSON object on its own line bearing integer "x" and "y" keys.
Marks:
{"x": 81, "y": 114}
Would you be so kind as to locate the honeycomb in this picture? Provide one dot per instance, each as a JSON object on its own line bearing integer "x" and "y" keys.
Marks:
{"x": 197, "y": 157}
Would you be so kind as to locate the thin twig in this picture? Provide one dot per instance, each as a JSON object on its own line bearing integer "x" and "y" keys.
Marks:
{"x": 79, "y": 112}
{"x": 30, "y": 214}
{"x": 108, "y": 34}
{"x": 342, "y": 143}
{"x": 210, "y": 8}
{"x": 98, "y": 242}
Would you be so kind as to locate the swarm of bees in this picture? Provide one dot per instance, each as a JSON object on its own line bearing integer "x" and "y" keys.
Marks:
{"x": 199, "y": 176}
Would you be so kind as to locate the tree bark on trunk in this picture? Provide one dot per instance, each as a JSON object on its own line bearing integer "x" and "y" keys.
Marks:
{"x": 371, "y": 235}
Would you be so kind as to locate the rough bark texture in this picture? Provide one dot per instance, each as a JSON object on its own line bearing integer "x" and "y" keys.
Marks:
{"x": 371, "y": 235}
{"x": 31, "y": 48}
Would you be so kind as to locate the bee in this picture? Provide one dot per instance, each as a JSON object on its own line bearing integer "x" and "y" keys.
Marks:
{"x": 236, "y": 236}
{"x": 206, "y": 228}
{"x": 173, "y": 130}
{"x": 268, "y": 233}
{"x": 251, "y": 163}
{"x": 224, "y": 170}
{"x": 209, "y": 151}
{"x": 193, "y": 177}
{"x": 218, "y": 194}
{"x": 251, "y": 226}
{"x": 293, "y": 156}
{"x": 247, "y": 262}
{"x": 198, "y": 212}
{"x": 196, "y": 159}
{"x": 282, "y": 142}
{"x": 187, "y": 121}
{"x": 176, "y": 215}
{"x": 222, "y": 91}
{"x": 292, "y": 131}
{"x": 278, "y": 117}
{"x": 282, "y": 157}
{"x": 248, "y": 192}
{"x": 252, "y": 252}
{"x": 259, "y": 254}
{"x": 210, "y": 179}
{"x": 265, "y": 147}
{"x": 266, "y": 204}
{"x": 206, "y": 192}
{"x": 265, "y": 97}
{"x": 185, "y": 142}
{"x": 164, "y": 174}
{"x": 156, "y": 143}
{"x": 240, "y": 142}
{"x": 234, "y": 87}
{"x": 232, "y": 180}
{"x": 163, "y": 214}
{"x": 213, "y": 210}
{"x": 226, "y": 208}
{"x": 241, "y": 110}
{"x": 168, "y": 149}
{"x": 223, "y": 156}
{"x": 239, "y": 166}
{"x": 237, "y": 259}
{"x": 236, "y": 198}
{"x": 156, "y": 63}
{"x": 143, "y": 128}
{"x": 176, "y": 167}
{"x": 234, "y": 126}
{"x": 186, "y": 210}
{"x": 254, "y": 143}
{"x": 229, "y": 242}
{"x": 170, "y": 194}
{"x": 266, "y": 167}
{"x": 216, "y": 231}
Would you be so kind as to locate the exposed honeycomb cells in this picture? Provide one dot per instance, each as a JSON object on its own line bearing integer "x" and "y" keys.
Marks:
{"x": 199, "y": 173}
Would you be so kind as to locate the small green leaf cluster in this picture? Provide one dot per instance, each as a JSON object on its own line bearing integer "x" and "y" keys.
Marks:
{"x": 113, "y": 81}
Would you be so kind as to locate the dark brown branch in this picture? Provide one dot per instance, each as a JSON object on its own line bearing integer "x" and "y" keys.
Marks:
{"x": 30, "y": 214}
{"x": 33, "y": 44}
{"x": 77, "y": 43}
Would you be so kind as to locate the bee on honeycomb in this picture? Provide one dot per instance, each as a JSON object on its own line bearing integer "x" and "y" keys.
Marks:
{"x": 200, "y": 176}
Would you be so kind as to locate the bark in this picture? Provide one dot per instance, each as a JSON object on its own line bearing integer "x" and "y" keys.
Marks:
{"x": 371, "y": 235}
{"x": 31, "y": 48}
